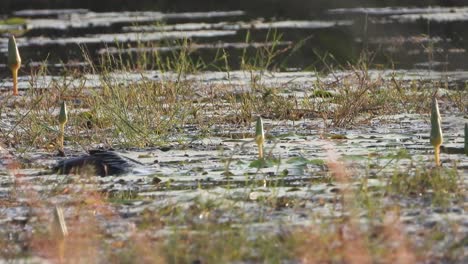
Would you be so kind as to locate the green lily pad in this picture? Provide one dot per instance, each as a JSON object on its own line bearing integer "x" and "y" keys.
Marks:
{"x": 13, "y": 21}
{"x": 303, "y": 161}
{"x": 338, "y": 136}
{"x": 298, "y": 161}
{"x": 264, "y": 163}
{"x": 318, "y": 162}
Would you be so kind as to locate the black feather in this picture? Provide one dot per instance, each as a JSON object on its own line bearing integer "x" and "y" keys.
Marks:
{"x": 101, "y": 162}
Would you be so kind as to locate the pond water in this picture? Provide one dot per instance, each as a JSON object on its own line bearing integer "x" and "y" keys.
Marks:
{"x": 419, "y": 46}
{"x": 395, "y": 37}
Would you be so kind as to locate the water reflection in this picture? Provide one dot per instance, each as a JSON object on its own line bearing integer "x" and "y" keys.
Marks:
{"x": 335, "y": 33}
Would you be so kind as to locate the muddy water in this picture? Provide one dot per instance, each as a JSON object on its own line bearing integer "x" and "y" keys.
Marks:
{"x": 412, "y": 44}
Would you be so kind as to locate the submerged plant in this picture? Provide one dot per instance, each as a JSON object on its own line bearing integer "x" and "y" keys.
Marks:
{"x": 436, "y": 138}
{"x": 259, "y": 136}
{"x": 14, "y": 62}
{"x": 63, "y": 118}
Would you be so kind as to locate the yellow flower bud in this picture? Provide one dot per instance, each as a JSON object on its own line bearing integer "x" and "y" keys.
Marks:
{"x": 259, "y": 136}
{"x": 436, "y": 137}
{"x": 14, "y": 59}
{"x": 63, "y": 116}
{"x": 436, "y": 129}
{"x": 466, "y": 139}
{"x": 14, "y": 62}
{"x": 59, "y": 227}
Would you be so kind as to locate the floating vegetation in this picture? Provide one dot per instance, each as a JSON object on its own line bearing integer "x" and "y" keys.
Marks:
{"x": 166, "y": 114}
{"x": 13, "y": 21}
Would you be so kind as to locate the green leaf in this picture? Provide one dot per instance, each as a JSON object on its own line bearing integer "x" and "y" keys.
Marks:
{"x": 298, "y": 161}
{"x": 318, "y": 162}
{"x": 322, "y": 94}
{"x": 303, "y": 161}
{"x": 264, "y": 163}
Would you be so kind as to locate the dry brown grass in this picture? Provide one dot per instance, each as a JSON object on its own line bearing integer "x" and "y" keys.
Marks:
{"x": 344, "y": 240}
{"x": 86, "y": 211}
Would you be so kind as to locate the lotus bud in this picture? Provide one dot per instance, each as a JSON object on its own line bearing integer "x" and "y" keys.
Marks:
{"x": 259, "y": 136}
{"x": 59, "y": 232}
{"x": 59, "y": 227}
{"x": 14, "y": 62}
{"x": 466, "y": 139}
{"x": 63, "y": 118}
{"x": 436, "y": 138}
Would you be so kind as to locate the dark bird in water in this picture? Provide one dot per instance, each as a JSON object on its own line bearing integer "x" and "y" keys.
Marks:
{"x": 100, "y": 162}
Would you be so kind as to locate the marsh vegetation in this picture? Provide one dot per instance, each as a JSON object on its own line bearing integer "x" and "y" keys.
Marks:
{"x": 255, "y": 148}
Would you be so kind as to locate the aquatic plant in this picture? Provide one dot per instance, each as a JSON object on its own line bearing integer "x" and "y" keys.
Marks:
{"x": 59, "y": 228}
{"x": 13, "y": 21}
{"x": 259, "y": 136}
{"x": 63, "y": 118}
{"x": 466, "y": 139}
{"x": 14, "y": 62}
{"x": 59, "y": 231}
{"x": 436, "y": 138}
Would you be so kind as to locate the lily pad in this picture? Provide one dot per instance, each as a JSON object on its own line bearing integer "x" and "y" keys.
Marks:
{"x": 264, "y": 163}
